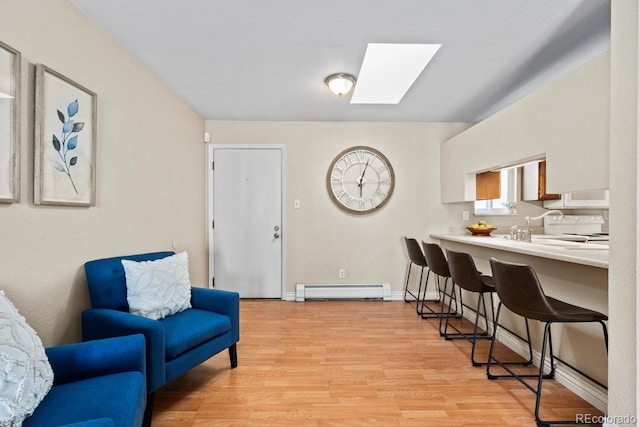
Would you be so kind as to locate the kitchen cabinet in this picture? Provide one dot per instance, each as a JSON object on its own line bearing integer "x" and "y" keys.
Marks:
{"x": 534, "y": 182}
{"x": 563, "y": 120}
{"x": 591, "y": 199}
{"x": 488, "y": 186}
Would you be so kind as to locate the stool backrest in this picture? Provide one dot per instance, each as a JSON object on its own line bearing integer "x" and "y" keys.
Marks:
{"x": 519, "y": 289}
{"x": 435, "y": 259}
{"x": 415, "y": 253}
{"x": 464, "y": 272}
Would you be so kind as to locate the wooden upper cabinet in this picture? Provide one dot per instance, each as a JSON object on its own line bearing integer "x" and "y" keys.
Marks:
{"x": 534, "y": 182}
{"x": 488, "y": 186}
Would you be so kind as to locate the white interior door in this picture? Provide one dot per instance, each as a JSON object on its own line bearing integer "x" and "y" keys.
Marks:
{"x": 246, "y": 244}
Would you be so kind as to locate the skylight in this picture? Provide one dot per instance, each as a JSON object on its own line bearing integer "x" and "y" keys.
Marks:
{"x": 388, "y": 71}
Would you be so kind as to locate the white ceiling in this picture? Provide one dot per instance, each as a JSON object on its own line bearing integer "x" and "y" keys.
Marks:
{"x": 267, "y": 59}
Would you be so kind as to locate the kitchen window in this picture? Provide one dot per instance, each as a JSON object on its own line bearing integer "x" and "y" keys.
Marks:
{"x": 508, "y": 194}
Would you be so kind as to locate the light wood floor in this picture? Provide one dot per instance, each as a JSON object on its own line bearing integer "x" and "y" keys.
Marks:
{"x": 349, "y": 363}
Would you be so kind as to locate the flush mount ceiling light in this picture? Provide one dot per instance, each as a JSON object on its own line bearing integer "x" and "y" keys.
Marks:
{"x": 340, "y": 84}
{"x": 388, "y": 71}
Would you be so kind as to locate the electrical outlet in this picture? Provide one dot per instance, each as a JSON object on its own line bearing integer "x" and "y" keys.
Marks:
{"x": 465, "y": 215}
{"x": 342, "y": 273}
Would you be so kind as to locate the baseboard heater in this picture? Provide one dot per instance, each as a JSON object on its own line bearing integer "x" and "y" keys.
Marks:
{"x": 326, "y": 291}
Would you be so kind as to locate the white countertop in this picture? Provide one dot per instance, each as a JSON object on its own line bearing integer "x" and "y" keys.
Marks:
{"x": 542, "y": 246}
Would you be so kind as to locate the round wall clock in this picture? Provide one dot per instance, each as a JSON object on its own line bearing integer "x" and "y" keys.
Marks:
{"x": 360, "y": 180}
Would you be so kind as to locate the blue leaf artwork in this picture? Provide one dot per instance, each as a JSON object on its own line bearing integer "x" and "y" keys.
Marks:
{"x": 68, "y": 141}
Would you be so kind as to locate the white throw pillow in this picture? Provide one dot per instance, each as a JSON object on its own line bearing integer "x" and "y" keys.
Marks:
{"x": 157, "y": 289}
{"x": 25, "y": 374}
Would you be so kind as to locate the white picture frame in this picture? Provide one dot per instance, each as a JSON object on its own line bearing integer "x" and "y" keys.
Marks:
{"x": 65, "y": 141}
{"x": 10, "y": 103}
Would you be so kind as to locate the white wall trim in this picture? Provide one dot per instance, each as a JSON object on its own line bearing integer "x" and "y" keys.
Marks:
{"x": 395, "y": 296}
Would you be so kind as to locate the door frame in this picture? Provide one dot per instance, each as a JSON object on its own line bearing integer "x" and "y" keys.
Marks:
{"x": 283, "y": 198}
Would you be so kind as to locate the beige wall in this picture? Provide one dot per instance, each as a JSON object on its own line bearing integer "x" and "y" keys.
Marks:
{"x": 566, "y": 121}
{"x": 150, "y": 171}
{"x": 623, "y": 296}
{"x": 320, "y": 237}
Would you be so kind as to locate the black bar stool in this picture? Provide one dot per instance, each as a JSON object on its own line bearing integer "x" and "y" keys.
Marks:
{"x": 465, "y": 274}
{"x": 520, "y": 291}
{"x": 416, "y": 258}
{"x": 438, "y": 265}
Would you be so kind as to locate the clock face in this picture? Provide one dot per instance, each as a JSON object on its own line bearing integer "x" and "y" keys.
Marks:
{"x": 360, "y": 180}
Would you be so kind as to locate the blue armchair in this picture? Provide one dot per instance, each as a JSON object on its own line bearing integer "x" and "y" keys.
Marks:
{"x": 97, "y": 383}
{"x": 176, "y": 343}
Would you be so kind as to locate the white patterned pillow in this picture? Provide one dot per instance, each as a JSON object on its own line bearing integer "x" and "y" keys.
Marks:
{"x": 157, "y": 289}
{"x": 25, "y": 374}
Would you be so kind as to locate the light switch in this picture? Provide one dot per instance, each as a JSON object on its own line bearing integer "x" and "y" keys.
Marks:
{"x": 296, "y": 204}
{"x": 465, "y": 215}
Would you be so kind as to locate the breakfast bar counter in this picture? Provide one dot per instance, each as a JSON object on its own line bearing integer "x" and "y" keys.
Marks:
{"x": 545, "y": 246}
{"x": 569, "y": 271}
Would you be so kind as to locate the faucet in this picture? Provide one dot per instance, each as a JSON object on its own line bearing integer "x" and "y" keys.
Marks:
{"x": 529, "y": 219}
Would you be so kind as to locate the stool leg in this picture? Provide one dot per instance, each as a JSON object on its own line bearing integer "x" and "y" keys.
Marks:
{"x": 444, "y": 296}
{"x": 461, "y": 314}
{"x": 420, "y": 290}
{"x": 406, "y": 285}
{"x": 407, "y": 291}
{"x": 448, "y": 316}
{"x": 484, "y": 310}
{"x": 493, "y": 342}
{"x": 542, "y": 375}
{"x": 475, "y": 328}
{"x": 474, "y": 336}
{"x": 547, "y": 333}
{"x": 526, "y": 324}
{"x": 425, "y": 311}
{"x": 505, "y": 365}
{"x": 552, "y": 362}
{"x": 606, "y": 335}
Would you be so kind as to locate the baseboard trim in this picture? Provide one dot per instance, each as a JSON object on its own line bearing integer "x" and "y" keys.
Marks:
{"x": 395, "y": 296}
{"x": 341, "y": 291}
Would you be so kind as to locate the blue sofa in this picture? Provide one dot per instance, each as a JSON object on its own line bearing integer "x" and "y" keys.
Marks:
{"x": 96, "y": 384}
{"x": 176, "y": 343}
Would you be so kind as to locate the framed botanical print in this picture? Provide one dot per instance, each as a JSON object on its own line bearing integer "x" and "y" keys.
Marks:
{"x": 10, "y": 66}
{"x": 65, "y": 141}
